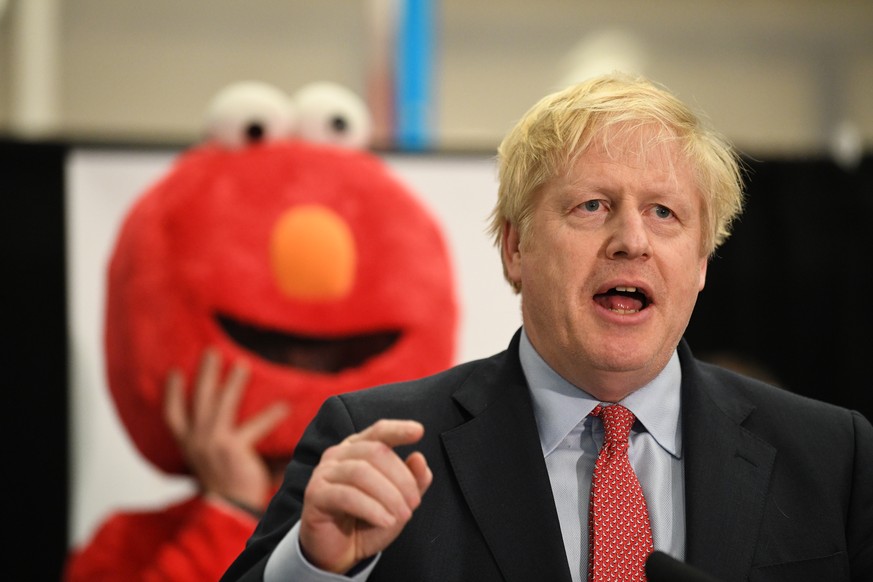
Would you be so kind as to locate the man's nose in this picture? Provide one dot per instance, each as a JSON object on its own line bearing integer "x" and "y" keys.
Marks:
{"x": 628, "y": 236}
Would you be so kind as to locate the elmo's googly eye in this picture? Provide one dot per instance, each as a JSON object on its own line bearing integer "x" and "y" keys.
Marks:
{"x": 331, "y": 113}
{"x": 249, "y": 112}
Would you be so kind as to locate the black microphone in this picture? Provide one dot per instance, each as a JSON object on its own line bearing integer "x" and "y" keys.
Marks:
{"x": 661, "y": 567}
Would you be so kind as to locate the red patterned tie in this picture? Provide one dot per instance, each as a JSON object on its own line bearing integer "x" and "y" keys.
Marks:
{"x": 620, "y": 536}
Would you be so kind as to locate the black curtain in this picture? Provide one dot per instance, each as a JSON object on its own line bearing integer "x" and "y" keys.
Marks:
{"x": 790, "y": 291}
{"x": 35, "y": 411}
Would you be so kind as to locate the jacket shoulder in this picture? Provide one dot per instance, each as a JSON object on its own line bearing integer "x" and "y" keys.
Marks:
{"x": 426, "y": 398}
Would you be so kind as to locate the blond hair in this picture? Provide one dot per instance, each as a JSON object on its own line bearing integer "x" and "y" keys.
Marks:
{"x": 561, "y": 126}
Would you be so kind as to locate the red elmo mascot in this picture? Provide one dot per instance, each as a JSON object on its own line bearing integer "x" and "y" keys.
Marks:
{"x": 283, "y": 248}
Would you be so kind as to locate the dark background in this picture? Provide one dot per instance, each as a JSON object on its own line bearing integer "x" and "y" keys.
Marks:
{"x": 786, "y": 297}
{"x": 35, "y": 459}
{"x": 790, "y": 290}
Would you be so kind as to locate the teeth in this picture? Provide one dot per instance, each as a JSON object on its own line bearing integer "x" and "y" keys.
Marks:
{"x": 625, "y": 311}
{"x": 627, "y": 289}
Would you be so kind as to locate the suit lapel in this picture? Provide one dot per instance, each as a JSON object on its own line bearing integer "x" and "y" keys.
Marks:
{"x": 727, "y": 473}
{"x": 498, "y": 462}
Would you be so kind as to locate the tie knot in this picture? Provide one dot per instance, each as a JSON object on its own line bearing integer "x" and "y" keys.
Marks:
{"x": 617, "y": 421}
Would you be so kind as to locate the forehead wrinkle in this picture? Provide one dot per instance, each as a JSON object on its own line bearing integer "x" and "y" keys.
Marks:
{"x": 662, "y": 173}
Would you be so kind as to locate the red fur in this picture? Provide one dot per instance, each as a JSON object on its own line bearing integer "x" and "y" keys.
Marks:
{"x": 197, "y": 243}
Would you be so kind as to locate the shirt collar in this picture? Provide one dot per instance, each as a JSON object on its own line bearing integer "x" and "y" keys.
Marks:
{"x": 559, "y": 405}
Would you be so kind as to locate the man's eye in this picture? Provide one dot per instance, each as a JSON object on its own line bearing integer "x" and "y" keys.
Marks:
{"x": 591, "y": 205}
{"x": 663, "y": 212}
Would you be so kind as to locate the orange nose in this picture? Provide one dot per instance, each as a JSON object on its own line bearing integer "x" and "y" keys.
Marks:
{"x": 312, "y": 254}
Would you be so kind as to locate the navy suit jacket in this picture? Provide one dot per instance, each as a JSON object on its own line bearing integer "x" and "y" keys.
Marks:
{"x": 777, "y": 486}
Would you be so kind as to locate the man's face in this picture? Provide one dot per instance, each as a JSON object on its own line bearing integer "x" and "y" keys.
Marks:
{"x": 612, "y": 264}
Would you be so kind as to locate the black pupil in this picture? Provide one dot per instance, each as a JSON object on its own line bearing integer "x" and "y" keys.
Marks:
{"x": 255, "y": 131}
{"x": 339, "y": 124}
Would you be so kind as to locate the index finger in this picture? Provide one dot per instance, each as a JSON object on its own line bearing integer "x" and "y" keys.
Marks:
{"x": 391, "y": 432}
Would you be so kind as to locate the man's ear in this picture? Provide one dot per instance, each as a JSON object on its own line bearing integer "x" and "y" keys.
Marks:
{"x": 702, "y": 280}
{"x": 510, "y": 249}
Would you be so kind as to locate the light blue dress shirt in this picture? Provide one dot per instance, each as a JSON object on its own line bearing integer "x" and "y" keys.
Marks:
{"x": 571, "y": 440}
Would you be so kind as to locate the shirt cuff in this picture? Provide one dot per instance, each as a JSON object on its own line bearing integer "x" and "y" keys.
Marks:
{"x": 288, "y": 563}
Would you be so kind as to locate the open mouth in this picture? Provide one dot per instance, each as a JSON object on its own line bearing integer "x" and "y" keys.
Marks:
{"x": 315, "y": 354}
{"x": 623, "y": 300}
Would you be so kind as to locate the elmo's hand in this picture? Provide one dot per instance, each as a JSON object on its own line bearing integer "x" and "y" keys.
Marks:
{"x": 220, "y": 452}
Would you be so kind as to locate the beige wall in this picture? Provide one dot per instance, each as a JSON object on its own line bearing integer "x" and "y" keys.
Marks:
{"x": 775, "y": 75}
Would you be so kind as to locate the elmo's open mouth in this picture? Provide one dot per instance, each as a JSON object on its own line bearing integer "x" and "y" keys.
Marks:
{"x": 315, "y": 354}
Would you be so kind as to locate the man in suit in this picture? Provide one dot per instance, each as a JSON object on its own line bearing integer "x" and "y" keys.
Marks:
{"x": 613, "y": 195}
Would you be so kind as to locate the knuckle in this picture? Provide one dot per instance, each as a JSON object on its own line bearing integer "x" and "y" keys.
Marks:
{"x": 381, "y": 449}
{"x": 356, "y": 469}
{"x": 332, "y": 453}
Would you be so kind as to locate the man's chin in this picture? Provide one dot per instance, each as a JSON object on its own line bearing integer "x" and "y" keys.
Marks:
{"x": 620, "y": 372}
